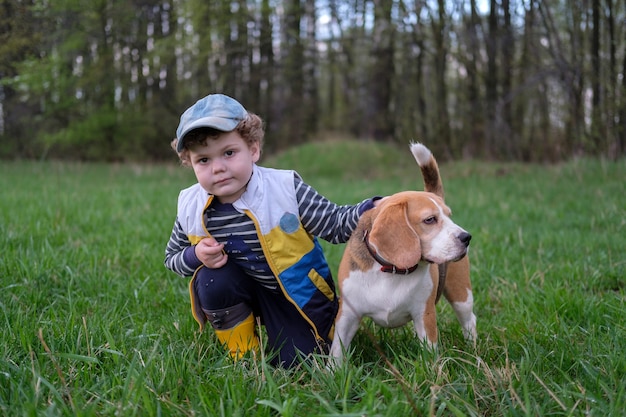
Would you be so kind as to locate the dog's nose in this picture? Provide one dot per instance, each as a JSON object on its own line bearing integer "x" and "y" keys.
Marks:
{"x": 465, "y": 238}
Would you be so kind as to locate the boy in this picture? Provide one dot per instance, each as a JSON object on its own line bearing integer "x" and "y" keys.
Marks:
{"x": 247, "y": 236}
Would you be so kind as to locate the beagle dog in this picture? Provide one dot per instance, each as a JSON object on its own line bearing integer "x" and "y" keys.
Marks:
{"x": 401, "y": 257}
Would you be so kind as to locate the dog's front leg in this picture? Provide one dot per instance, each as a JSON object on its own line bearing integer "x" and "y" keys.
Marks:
{"x": 425, "y": 324}
{"x": 346, "y": 326}
{"x": 458, "y": 292}
{"x": 465, "y": 314}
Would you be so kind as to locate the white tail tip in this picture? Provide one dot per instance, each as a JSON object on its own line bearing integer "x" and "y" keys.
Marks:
{"x": 421, "y": 153}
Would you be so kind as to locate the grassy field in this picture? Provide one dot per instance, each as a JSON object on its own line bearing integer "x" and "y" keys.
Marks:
{"x": 91, "y": 323}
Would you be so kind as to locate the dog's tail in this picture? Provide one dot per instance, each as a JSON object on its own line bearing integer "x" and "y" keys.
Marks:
{"x": 429, "y": 167}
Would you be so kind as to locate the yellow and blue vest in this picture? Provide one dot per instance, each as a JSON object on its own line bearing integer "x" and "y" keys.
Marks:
{"x": 294, "y": 256}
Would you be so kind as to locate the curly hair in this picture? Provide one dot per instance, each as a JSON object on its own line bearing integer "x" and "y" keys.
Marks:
{"x": 251, "y": 129}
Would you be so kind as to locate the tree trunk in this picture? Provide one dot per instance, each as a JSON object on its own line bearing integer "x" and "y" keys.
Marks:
{"x": 597, "y": 124}
{"x": 621, "y": 133}
{"x": 265, "y": 68}
{"x": 292, "y": 92}
{"x": 507, "y": 135}
{"x": 491, "y": 80}
{"x": 441, "y": 127}
{"x": 379, "y": 111}
{"x": 310, "y": 63}
{"x": 473, "y": 113}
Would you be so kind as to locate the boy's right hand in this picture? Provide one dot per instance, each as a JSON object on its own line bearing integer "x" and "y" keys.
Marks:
{"x": 211, "y": 253}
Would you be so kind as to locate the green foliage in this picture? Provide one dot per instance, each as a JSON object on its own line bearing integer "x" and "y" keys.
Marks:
{"x": 343, "y": 159}
{"x": 92, "y": 323}
{"x": 384, "y": 70}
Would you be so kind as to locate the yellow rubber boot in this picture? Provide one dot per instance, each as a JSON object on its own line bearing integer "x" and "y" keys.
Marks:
{"x": 239, "y": 339}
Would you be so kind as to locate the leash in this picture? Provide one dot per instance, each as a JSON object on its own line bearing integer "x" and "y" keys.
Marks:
{"x": 443, "y": 271}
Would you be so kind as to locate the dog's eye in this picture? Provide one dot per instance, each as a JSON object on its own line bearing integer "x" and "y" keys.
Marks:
{"x": 430, "y": 220}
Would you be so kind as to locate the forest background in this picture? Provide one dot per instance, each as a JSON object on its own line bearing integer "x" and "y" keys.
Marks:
{"x": 107, "y": 80}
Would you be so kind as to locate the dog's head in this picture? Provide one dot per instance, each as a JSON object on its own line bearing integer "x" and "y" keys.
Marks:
{"x": 412, "y": 226}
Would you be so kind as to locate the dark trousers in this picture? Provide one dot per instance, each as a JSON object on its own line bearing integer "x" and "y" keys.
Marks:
{"x": 289, "y": 336}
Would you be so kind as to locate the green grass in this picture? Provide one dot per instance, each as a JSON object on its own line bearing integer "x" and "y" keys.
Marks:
{"x": 91, "y": 323}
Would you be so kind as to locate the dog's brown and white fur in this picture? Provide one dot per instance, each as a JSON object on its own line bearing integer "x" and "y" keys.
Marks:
{"x": 390, "y": 270}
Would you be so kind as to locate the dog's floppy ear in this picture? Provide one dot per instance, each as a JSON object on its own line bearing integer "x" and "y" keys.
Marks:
{"x": 393, "y": 238}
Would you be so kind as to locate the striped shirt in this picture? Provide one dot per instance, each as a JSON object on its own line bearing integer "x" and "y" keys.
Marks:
{"x": 319, "y": 216}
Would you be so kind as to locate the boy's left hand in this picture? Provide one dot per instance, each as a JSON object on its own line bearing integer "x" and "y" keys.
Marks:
{"x": 211, "y": 253}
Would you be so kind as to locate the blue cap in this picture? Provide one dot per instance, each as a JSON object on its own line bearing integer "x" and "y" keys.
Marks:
{"x": 216, "y": 111}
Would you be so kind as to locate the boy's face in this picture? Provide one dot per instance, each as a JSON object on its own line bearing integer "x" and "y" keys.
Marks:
{"x": 223, "y": 166}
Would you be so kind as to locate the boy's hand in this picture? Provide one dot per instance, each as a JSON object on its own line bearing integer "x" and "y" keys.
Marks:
{"x": 211, "y": 253}
{"x": 377, "y": 201}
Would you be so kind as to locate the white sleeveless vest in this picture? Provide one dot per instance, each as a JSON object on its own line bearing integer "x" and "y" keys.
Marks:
{"x": 295, "y": 257}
